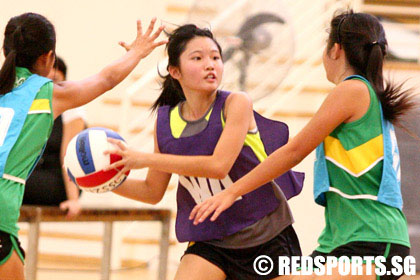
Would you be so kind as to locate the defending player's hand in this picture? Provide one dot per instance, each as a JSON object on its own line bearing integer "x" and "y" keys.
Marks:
{"x": 216, "y": 205}
{"x": 145, "y": 43}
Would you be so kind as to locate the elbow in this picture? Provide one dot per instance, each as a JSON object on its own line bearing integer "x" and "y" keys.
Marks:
{"x": 296, "y": 155}
{"x": 109, "y": 84}
{"x": 154, "y": 200}
{"x": 108, "y": 81}
{"x": 220, "y": 172}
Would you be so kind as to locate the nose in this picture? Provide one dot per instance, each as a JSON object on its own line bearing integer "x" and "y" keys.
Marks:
{"x": 210, "y": 64}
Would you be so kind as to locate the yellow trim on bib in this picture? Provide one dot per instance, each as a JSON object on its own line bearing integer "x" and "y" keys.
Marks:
{"x": 40, "y": 106}
{"x": 358, "y": 160}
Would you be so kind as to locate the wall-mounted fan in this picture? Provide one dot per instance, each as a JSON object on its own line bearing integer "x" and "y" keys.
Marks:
{"x": 257, "y": 41}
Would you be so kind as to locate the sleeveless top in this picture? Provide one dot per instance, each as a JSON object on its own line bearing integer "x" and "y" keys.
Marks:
{"x": 249, "y": 208}
{"x": 269, "y": 226}
{"x": 25, "y": 124}
{"x": 357, "y": 179}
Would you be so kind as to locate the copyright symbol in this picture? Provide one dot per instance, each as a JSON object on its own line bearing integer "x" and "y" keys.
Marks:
{"x": 263, "y": 265}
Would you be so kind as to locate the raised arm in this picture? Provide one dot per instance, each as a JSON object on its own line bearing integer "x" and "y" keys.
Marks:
{"x": 338, "y": 107}
{"x": 238, "y": 119}
{"x": 70, "y": 94}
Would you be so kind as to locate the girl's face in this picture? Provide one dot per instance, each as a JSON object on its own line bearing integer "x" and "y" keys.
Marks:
{"x": 200, "y": 66}
{"x": 325, "y": 62}
{"x": 329, "y": 61}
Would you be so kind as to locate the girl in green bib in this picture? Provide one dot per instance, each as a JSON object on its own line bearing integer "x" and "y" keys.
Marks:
{"x": 29, "y": 103}
{"x": 357, "y": 169}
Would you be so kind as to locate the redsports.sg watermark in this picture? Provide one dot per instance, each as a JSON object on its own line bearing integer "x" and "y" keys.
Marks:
{"x": 320, "y": 265}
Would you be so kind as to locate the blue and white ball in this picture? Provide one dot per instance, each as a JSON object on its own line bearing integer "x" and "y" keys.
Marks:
{"x": 85, "y": 160}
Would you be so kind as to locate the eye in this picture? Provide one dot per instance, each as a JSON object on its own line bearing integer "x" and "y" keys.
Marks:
{"x": 196, "y": 58}
{"x": 216, "y": 57}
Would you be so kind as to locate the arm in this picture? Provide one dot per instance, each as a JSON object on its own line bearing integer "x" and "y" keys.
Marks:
{"x": 150, "y": 190}
{"x": 70, "y": 94}
{"x": 238, "y": 119}
{"x": 72, "y": 204}
{"x": 339, "y": 107}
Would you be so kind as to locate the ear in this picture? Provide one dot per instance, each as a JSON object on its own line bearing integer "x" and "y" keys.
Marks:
{"x": 46, "y": 59}
{"x": 51, "y": 57}
{"x": 174, "y": 72}
{"x": 335, "y": 51}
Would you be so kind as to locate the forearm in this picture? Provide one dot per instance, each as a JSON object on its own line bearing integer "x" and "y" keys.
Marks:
{"x": 118, "y": 70}
{"x": 72, "y": 190}
{"x": 138, "y": 190}
{"x": 272, "y": 167}
{"x": 197, "y": 166}
{"x": 82, "y": 92}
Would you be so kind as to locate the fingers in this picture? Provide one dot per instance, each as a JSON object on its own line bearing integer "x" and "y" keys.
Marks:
{"x": 194, "y": 212}
{"x": 202, "y": 216}
{"x": 202, "y": 211}
{"x": 157, "y": 33}
{"x": 160, "y": 43}
{"x": 216, "y": 213}
{"x": 64, "y": 205}
{"x": 139, "y": 28}
{"x": 121, "y": 172}
{"x": 150, "y": 28}
{"x": 114, "y": 165}
{"x": 120, "y": 144}
{"x": 124, "y": 45}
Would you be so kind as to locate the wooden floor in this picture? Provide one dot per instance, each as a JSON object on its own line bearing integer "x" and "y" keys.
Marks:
{"x": 51, "y": 270}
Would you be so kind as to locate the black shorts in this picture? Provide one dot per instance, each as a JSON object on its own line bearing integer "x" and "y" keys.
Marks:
{"x": 238, "y": 264}
{"x": 8, "y": 243}
{"x": 374, "y": 249}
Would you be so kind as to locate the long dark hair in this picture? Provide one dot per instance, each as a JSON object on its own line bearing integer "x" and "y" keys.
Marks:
{"x": 172, "y": 92}
{"x": 27, "y": 37}
{"x": 363, "y": 40}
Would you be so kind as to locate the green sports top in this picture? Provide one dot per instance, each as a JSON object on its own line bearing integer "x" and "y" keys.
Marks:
{"x": 354, "y": 154}
{"x": 34, "y": 134}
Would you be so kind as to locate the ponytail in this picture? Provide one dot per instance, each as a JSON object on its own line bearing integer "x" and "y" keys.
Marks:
{"x": 8, "y": 70}
{"x": 363, "y": 39}
{"x": 26, "y": 38}
{"x": 395, "y": 101}
{"x": 8, "y": 73}
{"x": 171, "y": 93}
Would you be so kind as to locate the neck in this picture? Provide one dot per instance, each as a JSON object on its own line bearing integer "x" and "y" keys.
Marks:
{"x": 345, "y": 72}
{"x": 197, "y": 105}
{"x": 39, "y": 69}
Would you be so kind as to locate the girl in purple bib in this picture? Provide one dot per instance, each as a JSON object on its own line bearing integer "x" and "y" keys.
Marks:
{"x": 212, "y": 138}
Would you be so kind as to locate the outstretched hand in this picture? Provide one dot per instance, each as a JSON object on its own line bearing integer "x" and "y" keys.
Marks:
{"x": 145, "y": 43}
{"x": 216, "y": 205}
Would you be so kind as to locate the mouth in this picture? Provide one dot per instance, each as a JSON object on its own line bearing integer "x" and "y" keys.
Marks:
{"x": 210, "y": 77}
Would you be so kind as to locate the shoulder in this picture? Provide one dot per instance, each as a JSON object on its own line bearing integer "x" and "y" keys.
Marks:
{"x": 46, "y": 91}
{"x": 239, "y": 98}
{"x": 351, "y": 89}
{"x": 350, "y": 93}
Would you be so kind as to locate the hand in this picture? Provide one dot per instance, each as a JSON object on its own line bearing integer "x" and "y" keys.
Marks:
{"x": 217, "y": 204}
{"x": 73, "y": 208}
{"x": 145, "y": 43}
{"x": 130, "y": 158}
